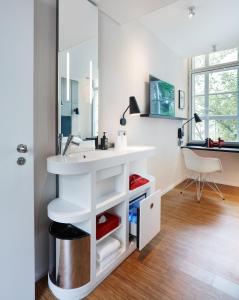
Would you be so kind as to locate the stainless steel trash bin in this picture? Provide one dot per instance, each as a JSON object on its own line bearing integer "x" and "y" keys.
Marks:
{"x": 69, "y": 257}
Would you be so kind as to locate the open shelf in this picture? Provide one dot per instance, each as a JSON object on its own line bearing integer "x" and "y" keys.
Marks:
{"x": 66, "y": 212}
{"x": 136, "y": 192}
{"x": 109, "y": 172}
{"x": 101, "y": 272}
{"x": 99, "y": 186}
{"x": 108, "y": 234}
{"x": 162, "y": 117}
{"x": 111, "y": 265}
{"x": 108, "y": 201}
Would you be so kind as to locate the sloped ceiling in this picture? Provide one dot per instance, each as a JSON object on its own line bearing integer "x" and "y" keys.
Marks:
{"x": 124, "y": 11}
{"x": 216, "y": 22}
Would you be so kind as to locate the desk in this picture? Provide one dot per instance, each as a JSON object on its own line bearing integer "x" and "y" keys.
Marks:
{"x": 217, "y": 149}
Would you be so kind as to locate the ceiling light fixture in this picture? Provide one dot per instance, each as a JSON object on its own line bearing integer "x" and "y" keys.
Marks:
{"x": 191, "y": 12}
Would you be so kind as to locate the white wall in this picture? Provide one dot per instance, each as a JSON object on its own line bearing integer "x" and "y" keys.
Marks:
{"x": 44, "y": 124}
{"x": 230, "y": 165}
{"x": 128, "y": 54}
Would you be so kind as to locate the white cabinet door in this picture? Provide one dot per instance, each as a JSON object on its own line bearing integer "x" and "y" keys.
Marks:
{"x": 16, "y": 127}
{"x": 149, "y": 215}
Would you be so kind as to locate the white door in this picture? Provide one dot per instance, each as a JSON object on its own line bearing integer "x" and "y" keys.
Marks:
{"x": 16, "y": 127}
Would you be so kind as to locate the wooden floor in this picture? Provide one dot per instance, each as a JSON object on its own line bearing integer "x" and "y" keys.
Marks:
{"x": 195, "y": 256}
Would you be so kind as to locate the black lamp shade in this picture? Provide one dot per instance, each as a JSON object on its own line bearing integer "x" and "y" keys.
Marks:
{"x": 197, "y": 118}
{"x": 180, "y": 130}
{"x": 133, "y": 109}
{"x": 133, "y": 106}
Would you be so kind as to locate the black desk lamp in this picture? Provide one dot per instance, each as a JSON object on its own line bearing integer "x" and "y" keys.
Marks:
{"x": 133, "y": 109}
{"x": 181, "y": 130}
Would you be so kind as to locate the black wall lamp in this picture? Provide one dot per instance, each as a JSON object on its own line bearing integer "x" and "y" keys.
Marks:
{"x": 133, "y": 109}
{"x": 181, "y": 130}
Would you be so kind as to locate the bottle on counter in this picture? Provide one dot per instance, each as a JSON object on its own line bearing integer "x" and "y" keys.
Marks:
{"x": 104, "y": 142}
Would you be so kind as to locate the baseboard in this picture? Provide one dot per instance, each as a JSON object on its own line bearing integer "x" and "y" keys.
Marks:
{"x": 172, "y": 186}
{"x": 224, "y": 182}
{"x": 40, "y": 275}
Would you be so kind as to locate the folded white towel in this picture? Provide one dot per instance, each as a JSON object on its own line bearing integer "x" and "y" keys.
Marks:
{"x": 105, "y": 262}
{"x": 107, "y": 247}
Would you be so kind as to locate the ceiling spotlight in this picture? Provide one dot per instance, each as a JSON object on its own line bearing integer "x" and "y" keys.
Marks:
{"x": 191, "y": 12}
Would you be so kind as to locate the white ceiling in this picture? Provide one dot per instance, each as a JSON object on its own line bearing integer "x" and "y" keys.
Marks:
{"x": 215, "y": 22}
{"x": 124, "y": 11}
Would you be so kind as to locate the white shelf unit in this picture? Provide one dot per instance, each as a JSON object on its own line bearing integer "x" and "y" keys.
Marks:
{"x": 83, "y": 196}
{"x": 66, "y": 212}
{"x": 109, "y": 233}
{"x": 109, "y": 172}
{"x": 119, "y": 233}
{"x": 108, "y": 201}
{"x": 77, "y": 189}
{"x": 101, "y": 274}
{"x": 146, "y": 188}
{"x": 109, "y": 187}
{"x": 100, "y": 271}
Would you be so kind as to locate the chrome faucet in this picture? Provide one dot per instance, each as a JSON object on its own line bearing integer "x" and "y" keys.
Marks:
{"x": 68, "y": 142}
{"x": 59, "y": 149}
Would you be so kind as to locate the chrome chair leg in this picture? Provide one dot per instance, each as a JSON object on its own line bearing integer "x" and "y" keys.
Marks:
{"x": 216, "y": 189}
{"x": 199, "y": 187}
{"x": 187, "y": 184}
{"x": 200, "y": 181}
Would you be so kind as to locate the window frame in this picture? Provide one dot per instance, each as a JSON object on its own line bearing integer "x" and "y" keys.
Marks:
{"x": 206, "y": 70}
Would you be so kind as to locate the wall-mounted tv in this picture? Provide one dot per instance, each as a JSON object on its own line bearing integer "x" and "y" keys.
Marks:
{"x": 162, "y": 97}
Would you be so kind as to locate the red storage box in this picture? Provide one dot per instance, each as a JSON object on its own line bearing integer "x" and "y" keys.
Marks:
{"x": 112, "y": 221}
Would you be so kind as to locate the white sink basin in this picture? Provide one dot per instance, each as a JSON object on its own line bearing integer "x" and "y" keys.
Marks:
{"x": 83, "y": 162}
{"x": 90, "y": 155}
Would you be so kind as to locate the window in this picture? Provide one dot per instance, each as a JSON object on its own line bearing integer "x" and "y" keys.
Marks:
{"x": 215, "y": 95}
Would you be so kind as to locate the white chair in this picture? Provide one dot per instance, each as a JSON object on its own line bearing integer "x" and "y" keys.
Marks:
{"x": 203, "y": 168}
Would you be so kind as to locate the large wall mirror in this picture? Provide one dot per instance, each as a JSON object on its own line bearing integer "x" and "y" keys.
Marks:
{"x": 78, "y": 81}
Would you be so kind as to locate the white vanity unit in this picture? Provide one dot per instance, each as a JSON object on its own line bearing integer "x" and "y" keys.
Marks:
{"x": 94, "y": 182}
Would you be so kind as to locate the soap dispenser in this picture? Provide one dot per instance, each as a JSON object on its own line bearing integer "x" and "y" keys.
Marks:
{"x": 104, "y": 142}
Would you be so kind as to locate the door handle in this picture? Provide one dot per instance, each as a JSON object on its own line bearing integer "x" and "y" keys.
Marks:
{"x": 21, "y": 148}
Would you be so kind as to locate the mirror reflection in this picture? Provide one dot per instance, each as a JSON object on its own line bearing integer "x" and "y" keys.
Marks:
{"x": 78, "y": 82}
